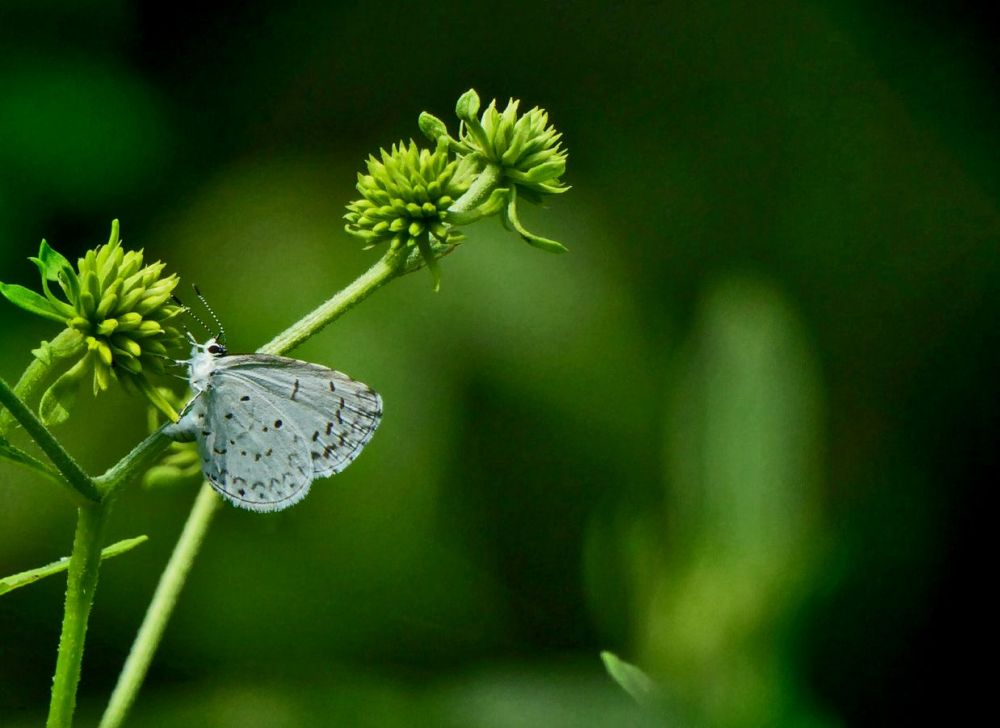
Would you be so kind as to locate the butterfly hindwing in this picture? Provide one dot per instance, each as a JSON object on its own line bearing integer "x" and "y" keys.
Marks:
{"x": 248, "y": 452}
{"x": 336, "y": 414}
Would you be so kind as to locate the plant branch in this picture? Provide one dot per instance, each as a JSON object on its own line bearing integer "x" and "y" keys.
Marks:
{"x": 82, "y": 582}
{"x": 142, "y": 456}
{"x": 161, "y": 607}
{"x": 81, "y": 485}
{"x": 388, "y": 267}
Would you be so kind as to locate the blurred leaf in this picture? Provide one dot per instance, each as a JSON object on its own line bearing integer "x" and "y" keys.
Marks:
{"x": 743, "y": 535}
{"x": 525, "y": 695}
{"x": 16, "y": 455}
{"x": 631, "y": 679}
{"x": 29, "y": 577}
{"x": 77, "y": 130}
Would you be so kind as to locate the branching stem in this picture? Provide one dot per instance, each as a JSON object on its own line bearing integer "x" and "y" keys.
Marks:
{"x": 80, "y": 484}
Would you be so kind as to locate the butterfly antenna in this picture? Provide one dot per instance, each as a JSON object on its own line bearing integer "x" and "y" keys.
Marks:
{"x": 222, "y": 332}
{"x": 195, "y": 316}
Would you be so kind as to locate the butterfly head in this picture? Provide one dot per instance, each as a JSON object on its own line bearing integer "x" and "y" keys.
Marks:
{"x": 214, "y": 347}
{"x": 202, "y": 361}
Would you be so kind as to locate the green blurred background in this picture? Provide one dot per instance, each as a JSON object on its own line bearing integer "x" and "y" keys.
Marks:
{"x": 740, "y": 435}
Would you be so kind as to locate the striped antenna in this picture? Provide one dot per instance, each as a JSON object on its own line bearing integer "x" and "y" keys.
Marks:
{"x": 221, "y": 337}
{"x": 196, "y": 317}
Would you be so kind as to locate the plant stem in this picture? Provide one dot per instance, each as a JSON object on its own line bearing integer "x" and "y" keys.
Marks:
{"x": 388, "y": 267}
{"x": 82, "y": 582}
{"x": 479, "y": 191}
{"x": 142, "y": 456}
{"x": 161, "y": 607}
{"x": 80, "y": 484}
{"x": 391, "y": 265}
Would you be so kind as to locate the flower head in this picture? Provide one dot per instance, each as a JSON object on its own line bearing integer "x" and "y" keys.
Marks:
{"x": 515, "y": 155}
{"x": 527, "y": 147}
{"x": 117, "y": 312}
{"x": 406, "y": 196}
{"x": 405, "y": 199}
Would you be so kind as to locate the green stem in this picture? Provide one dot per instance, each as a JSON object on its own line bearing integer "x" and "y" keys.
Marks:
{"x": 391, "y": 265}
{"x": 480, "y": 190}
{"x": 81, "y": 486}
{"x": 161, "y": 607}
{"x": 142, "y": 456}
{"x": 388, "y": 267}
{"x": 82, "y": 582}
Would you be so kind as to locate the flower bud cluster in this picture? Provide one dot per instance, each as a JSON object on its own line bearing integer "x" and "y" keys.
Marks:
{"x": 416, "y": 198}
{"x": 118, "y": 314}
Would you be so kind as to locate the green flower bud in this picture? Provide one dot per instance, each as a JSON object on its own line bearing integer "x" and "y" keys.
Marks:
{"x": 509, "y": 155}
{"x": 527, "y": 147}
{"x": 405, "y": 198}
{"x": 431, "y": 126}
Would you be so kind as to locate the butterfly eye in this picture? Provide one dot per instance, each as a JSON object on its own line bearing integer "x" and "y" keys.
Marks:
{"x": 216, "y": 349}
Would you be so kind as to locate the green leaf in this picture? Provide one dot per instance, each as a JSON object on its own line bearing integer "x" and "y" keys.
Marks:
{"x": 31, "y": 302}
{"x": 59, "y": 398}
{"x": 50, "y": 262}
{"x": 16, "y": 581}
{"x": 16, "y": 455}
{"x": 55, "y": 267}
{"x": 530, "y": 238}
{"x": 631, "y": 679}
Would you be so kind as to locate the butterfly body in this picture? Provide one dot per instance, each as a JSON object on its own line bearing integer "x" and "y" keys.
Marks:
{"x": 267, "y": 426}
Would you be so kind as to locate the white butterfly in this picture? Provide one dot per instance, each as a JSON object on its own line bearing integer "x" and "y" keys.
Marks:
{"x": 267, "y": 426}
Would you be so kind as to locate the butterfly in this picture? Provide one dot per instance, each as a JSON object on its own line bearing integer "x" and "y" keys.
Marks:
{"x": 267, "y": 426}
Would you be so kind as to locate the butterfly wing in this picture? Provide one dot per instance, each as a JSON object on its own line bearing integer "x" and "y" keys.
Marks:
{"x": 267, "y": 426}
{"x": 248, "y": 453}
{"x": 335, "y": 414}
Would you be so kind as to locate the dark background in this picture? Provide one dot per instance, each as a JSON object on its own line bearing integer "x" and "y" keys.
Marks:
{"x": 742, "y": 434}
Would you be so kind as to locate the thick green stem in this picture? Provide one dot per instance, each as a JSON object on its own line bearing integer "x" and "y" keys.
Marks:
{"x": 81, "y": 486}
{"x": 480, "y": 190}
{"x": 81, "y": 583}
{"x": 391, "y": 265}
{"x": 161, "y": 607}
